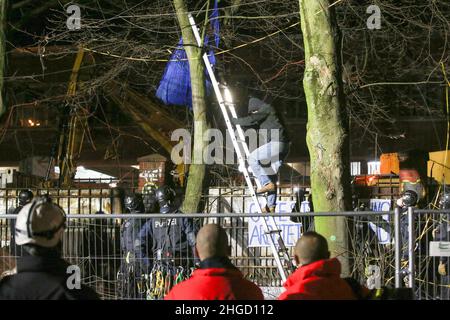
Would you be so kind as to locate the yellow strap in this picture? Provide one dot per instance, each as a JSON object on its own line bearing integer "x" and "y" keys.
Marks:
{"x": 159, "y": 287}
{"x": 448, "y": 119}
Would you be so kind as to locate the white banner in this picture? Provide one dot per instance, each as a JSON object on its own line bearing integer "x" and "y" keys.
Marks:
{"x": 290, "y": 231}
{"x": 383, "y": 236}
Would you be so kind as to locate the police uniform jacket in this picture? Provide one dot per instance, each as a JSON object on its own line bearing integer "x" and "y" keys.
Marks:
{"x": 167, "y": 237}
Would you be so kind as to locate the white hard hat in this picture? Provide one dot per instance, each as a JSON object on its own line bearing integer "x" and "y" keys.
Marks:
{"x": 40, "y": 222}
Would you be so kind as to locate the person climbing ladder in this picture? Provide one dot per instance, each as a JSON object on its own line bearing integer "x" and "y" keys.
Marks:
{"x": 266, "y": 160}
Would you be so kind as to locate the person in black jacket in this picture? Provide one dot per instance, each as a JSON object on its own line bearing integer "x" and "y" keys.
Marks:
{"x": 129, "y": 276}
{"x": 409, "y": 198}
{"x": 41, "y": 272}
{"x": 266, "y": 160}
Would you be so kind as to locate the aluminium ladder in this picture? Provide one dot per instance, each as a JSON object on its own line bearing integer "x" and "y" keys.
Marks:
{"x": 271, "y": 229}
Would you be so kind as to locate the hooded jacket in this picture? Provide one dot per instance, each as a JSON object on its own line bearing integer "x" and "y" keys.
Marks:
{"x": 42, "y": 278}
{"x": 216, "y": 279}
{"x": 263, "y": 116}
{"x": 319, "y": 280}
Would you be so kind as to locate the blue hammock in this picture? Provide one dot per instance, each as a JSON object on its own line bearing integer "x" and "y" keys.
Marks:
{"x": 175, "y": 86}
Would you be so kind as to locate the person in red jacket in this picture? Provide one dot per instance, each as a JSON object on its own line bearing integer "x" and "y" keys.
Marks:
{"x": 217, "y": 278}
{"x": 318, "y": 276}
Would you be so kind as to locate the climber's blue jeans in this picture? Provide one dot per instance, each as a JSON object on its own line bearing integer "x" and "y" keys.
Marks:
{"x": 265, "y": 162}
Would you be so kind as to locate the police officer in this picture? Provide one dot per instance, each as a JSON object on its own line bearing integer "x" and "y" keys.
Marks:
{"x": 409, "y": 198}
{"x": 129, "y": 276}
{"x": 167, "y": 243}
{"x": 303, "y": 204}
{"x": 25, "y": 197}
{"x": 149, "y": 198}
{"x": 442, "y": 233}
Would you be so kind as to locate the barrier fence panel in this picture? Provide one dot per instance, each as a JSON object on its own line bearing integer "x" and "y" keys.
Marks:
{"x": 372, "y": 249}
{"x": 432, "y": 251}
{"x": 73, "y": 201}
{"x": 116, "y": 256}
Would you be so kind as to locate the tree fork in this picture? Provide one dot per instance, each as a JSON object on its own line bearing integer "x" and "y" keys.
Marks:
{"x": 327, "y": 132}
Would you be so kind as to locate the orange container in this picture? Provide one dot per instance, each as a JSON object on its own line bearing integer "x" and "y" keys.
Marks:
{"x": 389, "y": 163}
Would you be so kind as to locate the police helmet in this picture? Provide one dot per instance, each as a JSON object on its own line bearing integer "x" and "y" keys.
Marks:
{"x": 444, "y": 200}
{"x": 410, "y": 198}
{"x": 40, "y": 222}
{"x": 149, "y": 188}
{"x": 133, "y": 202}
{"x": 149, "y": 199}
{"x": 25, "y": 196}
{"x": 165, "y": 194}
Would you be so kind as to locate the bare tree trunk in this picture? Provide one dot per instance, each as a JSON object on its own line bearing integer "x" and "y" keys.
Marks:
{"x": 196, "y": 177}
{"x": 327, "y": 133}
{"x": 3, "y": 11}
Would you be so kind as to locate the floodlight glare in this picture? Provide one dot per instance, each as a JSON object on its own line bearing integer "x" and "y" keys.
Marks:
{"x": 228, "y": 97}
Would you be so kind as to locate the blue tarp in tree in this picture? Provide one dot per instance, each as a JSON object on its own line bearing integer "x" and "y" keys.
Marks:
{"x": 175, "y": 86}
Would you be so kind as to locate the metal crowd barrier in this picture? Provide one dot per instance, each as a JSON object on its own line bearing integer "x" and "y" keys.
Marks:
{"x": 428, "y": 251}
{"x": 94, "y": 242}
